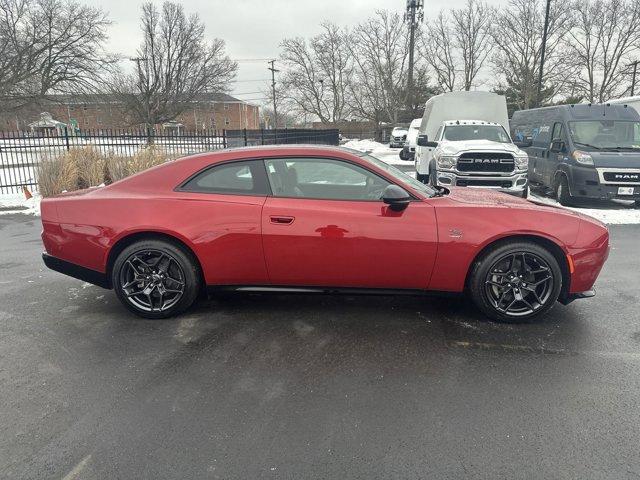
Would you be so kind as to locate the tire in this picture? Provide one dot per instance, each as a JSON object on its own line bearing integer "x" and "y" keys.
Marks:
{"x": 637, "y": 204}
{"x": 562, "y": 193}
{"x": 525, "y": 192}
{"x": 421, "y": 177}
{"x": 518, "y": 298}
{"x": 402, "y": 155}
{"x": 165, "y": 275}
{"x": 433, "y": 180}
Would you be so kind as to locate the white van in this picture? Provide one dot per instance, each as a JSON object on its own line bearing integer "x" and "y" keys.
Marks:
{"x": 633, "y": 102}
{"x": 464, "y": 141}
{"x": 408, "y": 152}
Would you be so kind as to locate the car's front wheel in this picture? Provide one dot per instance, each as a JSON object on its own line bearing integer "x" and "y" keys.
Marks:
{"x": 156, "y": 278}
{"x": 515, "y": 281}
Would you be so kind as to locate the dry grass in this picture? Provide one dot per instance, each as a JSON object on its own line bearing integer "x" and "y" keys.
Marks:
{"x": 122, "y": 167}
{"x": 57, "y": 174}
{"x": 86, "y": 167}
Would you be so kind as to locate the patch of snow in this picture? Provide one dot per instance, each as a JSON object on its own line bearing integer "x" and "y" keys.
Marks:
{"x": 379, "y": 150}
{"x": 16, "y": 203}
{"x": 614, "y": 214}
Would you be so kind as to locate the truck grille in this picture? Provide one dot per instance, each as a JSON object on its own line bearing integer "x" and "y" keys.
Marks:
{"x": 622, "y": 177}
{"x": 487, "y": 162}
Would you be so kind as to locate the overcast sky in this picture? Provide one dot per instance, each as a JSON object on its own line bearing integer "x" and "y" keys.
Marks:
{"x": 253, "y": 29}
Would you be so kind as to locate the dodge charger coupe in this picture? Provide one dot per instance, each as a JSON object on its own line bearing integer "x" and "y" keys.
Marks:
{"x": 316, "y": 219}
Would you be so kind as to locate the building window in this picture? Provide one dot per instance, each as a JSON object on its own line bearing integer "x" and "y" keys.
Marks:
{"x": 227, "y": 122}
{"x": 98, "y": 120}
{"x": 226, "y": 106}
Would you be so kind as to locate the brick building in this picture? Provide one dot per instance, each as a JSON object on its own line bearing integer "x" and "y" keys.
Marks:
{"x": 105, "y": 112}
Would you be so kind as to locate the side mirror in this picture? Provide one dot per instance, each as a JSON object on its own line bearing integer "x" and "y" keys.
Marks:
{"x": 423, "y": 141}
{"x": 396, "y": 197}
{"x": 523, "y": 143}
{"x": 557, "y": 145}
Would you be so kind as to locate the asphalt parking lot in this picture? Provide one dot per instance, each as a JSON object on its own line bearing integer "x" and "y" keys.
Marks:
{"x": 292, "y": 387}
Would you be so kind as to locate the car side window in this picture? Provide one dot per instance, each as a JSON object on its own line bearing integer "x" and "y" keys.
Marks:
{"x": 238, "y": 178}
{"x": 323, "y": 178}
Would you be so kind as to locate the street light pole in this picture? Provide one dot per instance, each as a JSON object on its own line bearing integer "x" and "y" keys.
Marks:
{"x": 542, "y": 53}
{"x": 413, "y": 15}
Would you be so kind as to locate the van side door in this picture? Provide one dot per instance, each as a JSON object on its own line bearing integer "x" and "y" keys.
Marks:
{"x": 555, "y": 153}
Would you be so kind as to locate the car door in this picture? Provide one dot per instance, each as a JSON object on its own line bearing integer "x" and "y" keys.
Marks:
{"x": 325, "y": 225}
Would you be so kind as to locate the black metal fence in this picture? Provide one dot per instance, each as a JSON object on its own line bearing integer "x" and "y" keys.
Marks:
{"x": 20, "y": 153}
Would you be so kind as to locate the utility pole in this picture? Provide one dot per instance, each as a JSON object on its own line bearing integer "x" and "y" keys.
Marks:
{"x": 633, "y": 76}
{"x": 544, "y": 47}
{"x": 413, "y": 15}
{"x": 273, "y": 90}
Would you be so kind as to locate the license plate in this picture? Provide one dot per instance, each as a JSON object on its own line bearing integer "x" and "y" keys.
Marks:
{"x": 625, "y": 190}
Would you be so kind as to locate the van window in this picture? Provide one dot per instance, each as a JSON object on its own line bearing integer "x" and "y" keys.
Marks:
{"x": 558, "y": 131}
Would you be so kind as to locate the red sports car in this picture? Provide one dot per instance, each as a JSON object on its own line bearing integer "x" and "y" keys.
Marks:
{"x": 316, "y": 219}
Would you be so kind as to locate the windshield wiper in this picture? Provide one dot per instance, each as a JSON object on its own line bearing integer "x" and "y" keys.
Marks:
{"x": 618, "y": 147}
{"x": 587, "y": 145}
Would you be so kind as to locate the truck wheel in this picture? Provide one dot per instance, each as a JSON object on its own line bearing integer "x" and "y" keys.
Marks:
{"x": 563, "y": 196}
{"x": 525, "y": 192}
{"x": 422, "y": 178}
{"x": 637, "y": 203}
{"x": 515, "y": 281}
{"x": 402, "y": 155}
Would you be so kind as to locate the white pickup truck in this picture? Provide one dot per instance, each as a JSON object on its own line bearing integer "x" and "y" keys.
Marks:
{"x": 463, "y": 142}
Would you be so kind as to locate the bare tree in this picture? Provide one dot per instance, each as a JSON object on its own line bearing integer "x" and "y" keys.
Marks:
{"x": 439, "y": 52}
{"x": 317, "y": 73}
{"x": 175, "y": 65}
{"x": 517, "y": 35}
{"x": 604, "y": 35}
{"x": 49, "y": 46}
{"x": 380, "y": 48}
{"x": 471, "y": 27}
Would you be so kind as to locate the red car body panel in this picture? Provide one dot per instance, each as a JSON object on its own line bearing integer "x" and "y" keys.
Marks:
{"x": 265, "y": 240}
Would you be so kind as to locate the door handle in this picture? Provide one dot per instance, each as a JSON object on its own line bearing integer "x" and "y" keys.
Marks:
{"x": 279, "y": 220}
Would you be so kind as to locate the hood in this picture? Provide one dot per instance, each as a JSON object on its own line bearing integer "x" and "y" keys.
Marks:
{"x": 616, "y": 159}
{"x": 489, "y": 197}
{"x": 449, "y": 147}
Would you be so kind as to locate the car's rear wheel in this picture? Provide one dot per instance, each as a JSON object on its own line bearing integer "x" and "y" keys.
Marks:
{"x": 515, "y": 281}
{"x": 156, "y": 278}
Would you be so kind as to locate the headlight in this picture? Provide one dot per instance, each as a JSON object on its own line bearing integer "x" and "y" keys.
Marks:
{"x": 446, "y": 162}
{"x": 582, "y": 157}
{"x": 522, "y": 163}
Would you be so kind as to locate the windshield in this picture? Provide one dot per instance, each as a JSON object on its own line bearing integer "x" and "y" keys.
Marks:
{"x": 495, "y": 133}
{"x": 605, "y": 134}
{"x": 398, "y": 174}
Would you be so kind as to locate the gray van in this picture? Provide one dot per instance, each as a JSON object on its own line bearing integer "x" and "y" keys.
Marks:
{"x": 582, "y": 151}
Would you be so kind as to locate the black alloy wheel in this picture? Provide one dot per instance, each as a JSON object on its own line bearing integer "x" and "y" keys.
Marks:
{"x": 516, "y": 282}
{"x": 155, "y": 279}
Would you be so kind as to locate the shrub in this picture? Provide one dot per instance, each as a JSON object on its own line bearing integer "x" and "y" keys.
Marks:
{"x": 121, "y": 167}
{"x": 57, "y": 174}
{"x": 86, "y": 167}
